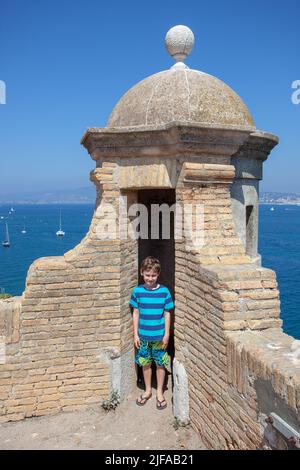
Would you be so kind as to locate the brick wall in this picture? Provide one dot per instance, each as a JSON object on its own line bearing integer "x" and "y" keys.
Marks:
{"x": 226, "y": 317}
{"x": 71, "y": 316}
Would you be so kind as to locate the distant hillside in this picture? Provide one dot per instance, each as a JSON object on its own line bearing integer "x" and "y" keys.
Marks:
{"x": 87, "y": 195}
{"x": 66, "y": 196}
{"x": 279, "y": 198}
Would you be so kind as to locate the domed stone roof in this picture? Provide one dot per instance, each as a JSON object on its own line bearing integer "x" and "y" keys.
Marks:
{"x": 180, "y": 94}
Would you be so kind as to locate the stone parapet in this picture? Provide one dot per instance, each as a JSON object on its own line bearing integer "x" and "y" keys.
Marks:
{"x": 226, "y": 316}
{"x": 264, "y": 378}
{"x": 69, "y": 353}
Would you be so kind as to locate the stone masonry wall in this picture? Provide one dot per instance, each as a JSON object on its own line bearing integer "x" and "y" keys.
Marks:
{"x": 226, "y": 327}
{"x": 226, "y": 317}
{"x": 69, "y": 353}
{"x": 264, "y": 377}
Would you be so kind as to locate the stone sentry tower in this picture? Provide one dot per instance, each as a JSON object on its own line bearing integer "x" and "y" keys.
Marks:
{"x": 180, "y": 137}
{"x": 183, "y": 136}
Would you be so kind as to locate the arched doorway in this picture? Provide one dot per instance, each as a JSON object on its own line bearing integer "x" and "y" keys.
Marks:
{"x": 160, "y": 243}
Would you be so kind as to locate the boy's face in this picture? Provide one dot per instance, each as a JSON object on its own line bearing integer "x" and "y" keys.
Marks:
{"x": 150, "y": 277}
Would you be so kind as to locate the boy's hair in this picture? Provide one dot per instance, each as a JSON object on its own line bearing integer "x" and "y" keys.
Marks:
{"x": 150, "y": 263}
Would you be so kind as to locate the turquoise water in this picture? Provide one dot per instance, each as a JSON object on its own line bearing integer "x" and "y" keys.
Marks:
{"x": 279, "y": 245}
{"x": 41, "y": 223}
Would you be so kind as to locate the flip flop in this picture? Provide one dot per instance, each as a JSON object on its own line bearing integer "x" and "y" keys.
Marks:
{"x": 159, "y": 405}
{"x": 142, "y": 398}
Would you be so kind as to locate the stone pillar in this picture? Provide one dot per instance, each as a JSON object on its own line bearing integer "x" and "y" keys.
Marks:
{"x": 248, "y": 163}
{"x": 206, "y": 187}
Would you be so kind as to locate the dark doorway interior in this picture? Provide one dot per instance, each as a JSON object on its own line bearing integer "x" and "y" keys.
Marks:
{"x": 163, "y": 249}
{"x": 250, "y": 224}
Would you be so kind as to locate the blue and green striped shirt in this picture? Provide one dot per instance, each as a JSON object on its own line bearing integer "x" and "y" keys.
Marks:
{"x": 151, "y": 304}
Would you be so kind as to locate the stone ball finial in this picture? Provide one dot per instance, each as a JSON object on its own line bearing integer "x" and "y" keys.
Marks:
{"x": 180, "y": 42}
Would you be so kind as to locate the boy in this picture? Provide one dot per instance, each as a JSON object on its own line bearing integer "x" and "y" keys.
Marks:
{"x": 152, "y": 303}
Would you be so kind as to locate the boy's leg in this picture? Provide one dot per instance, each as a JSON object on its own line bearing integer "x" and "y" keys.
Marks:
{"x": 142, "y": 399}
{"x": 160, "y": 377}
{"x": 143, "y": 358}
{"x": 147, "y": 373}
{"x": 162, "y": 359}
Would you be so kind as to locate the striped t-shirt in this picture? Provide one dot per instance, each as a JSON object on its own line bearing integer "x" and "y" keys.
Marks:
{"x": 151, "y": 304}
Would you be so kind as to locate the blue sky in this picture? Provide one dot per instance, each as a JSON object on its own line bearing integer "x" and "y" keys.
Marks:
{"x": 66, "y": 64}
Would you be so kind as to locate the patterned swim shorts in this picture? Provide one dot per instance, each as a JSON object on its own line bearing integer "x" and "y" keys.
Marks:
{"x": 152, "y": 350}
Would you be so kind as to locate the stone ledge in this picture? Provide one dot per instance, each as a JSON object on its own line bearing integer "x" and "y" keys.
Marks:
{"x": 271, "y": 356}
{"x": 173, "y": 139}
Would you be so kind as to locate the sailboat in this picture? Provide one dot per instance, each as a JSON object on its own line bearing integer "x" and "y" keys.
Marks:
{"x": 60, "y": 232}
{"x": 24, "y": 229}
{"x": 6, "y": 242}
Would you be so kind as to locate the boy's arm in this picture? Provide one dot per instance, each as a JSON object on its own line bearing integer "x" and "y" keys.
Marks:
{"x": 166, "y": 337}
{"x": 136, "y": 315}
{"x": 169, "y": 305}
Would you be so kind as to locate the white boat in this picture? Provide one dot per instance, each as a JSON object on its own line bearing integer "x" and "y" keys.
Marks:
{"x": 12, "y": 209}
{"x": 60, "y": 232}
{"x": 24, "y": 229}
{"x": 6, "y": 242}
{"x": 272, "y": 209}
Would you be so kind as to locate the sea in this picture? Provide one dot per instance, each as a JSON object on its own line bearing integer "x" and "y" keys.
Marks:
{"x": 279, "y": 246}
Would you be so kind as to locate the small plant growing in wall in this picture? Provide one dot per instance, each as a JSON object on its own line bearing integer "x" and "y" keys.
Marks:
{"x": 5, "y": 296}
{"x": 112, "y": 402}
